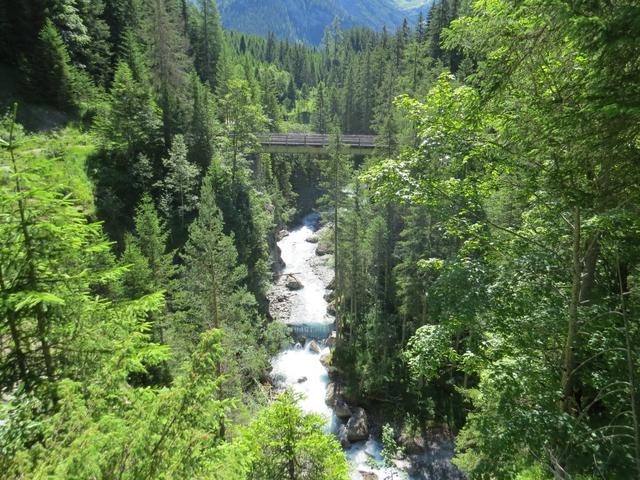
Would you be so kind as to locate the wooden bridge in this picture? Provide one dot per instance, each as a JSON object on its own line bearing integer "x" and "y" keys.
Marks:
{"x": 314, "y": 142}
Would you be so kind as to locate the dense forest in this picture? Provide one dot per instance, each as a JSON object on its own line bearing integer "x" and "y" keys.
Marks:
{"x": 486, "y": 254}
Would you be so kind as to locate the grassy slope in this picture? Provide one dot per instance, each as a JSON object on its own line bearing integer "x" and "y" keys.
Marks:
{"x": 66, "y": 152}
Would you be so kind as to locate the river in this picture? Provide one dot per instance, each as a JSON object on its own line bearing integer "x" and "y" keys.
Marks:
{"x": 300, "y": 368}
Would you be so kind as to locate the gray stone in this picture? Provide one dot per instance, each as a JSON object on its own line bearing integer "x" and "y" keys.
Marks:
{"x": 314, "y": 347}
{"x": 302, "y": 379}
{"x": 341, "y": 409}
{"x": 357, "y": 426}
{"x": 325, "y": 359}
{"x": 331, "y": 309}
{"x": 368, "y": 475}
{"x": 313, "y": 239}
{"x": 342, "y": 437}
{"x": 331, "y": 339}
{"x": 412, "y": 444}
{"x": 331, "y": 395}
{"x": 293, "y": 283}
{"x": 323, "y": 248}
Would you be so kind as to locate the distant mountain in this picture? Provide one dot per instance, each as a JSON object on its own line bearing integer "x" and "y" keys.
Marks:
{"x": 306, "y": 19}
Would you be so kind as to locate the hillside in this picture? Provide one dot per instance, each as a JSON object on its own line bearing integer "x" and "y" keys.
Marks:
{"x": 306, "y": 20}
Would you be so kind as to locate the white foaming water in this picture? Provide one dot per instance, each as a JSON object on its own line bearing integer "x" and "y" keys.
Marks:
{"x": 309, "y": 305}
{"x": 299, "y": 368}
{"x": 302, "y": 371}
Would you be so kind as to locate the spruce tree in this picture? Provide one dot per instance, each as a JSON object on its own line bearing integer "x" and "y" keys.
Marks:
{"x": 209, "y": 42}
{"x": 50, "y": 74}
{"x": 179, "y": 186}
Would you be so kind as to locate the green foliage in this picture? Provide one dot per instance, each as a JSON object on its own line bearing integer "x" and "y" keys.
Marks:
{"x": 390, "y": 448}
{"x": 284, "y": 443}
{"x": 50, "y": 72}
{"x": 131, "y": 122}
{"x": 180, "y": 182}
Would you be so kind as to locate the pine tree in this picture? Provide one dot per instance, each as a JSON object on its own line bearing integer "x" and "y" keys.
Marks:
{"x": 50, "y": 74}
{"x": 270, "y": 102}
{"x": 211, "y": 263}
{"x": 336, "y": 175}
{"x": 179, "y": 186}
{"x": 169, "y": 65}
{"x": 46, "y": 271}
{"x": 151, "y": 236}
{"x": 131, "y": 124}
{"x": 203, "y": 125}
{"x": 242, "y": 119}
{"x": 322, "y": 113}
{"x": 208, "y": 47}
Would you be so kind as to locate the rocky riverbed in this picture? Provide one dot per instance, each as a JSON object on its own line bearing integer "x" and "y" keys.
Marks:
{"x": 302, "y": 297}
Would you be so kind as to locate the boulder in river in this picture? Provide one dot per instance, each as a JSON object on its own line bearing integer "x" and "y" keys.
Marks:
{"x": 412, "y": 444}
{"x": 331, "y": 339}
{"x": 323, "y": 248}
{"x": 293, "y": 283}
{"x": 368, "y": 475}
{"x": 329, "y": 296}
{"x": 314, "y": 347}
{"x": 331, "y": 395}
{"x": 312, "y": 239}
{"x": 302, "y": 379}
{"x": 331, "y": 309}
{"x": 325, "y": 359}
{"x": 341, "y": 409}
{"x": 342, "y": 437}
{"x": 332, "y": 284}
{"x": 281, "y": 234}
{"x": 357, "y": 426}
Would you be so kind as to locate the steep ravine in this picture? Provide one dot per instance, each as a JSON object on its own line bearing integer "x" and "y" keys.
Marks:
{"x": 298, "y": 299}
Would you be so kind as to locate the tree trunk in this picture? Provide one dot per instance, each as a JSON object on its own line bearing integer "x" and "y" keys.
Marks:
{"x": 572, "y": 321}
{"x": 631, "y": 370}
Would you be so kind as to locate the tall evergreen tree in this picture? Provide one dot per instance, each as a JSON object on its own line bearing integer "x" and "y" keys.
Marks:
{"x": 209, "y": 40}
{"x": 49, "y": 72}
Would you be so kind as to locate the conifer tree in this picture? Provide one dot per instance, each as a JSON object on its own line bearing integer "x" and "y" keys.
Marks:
{"x": 209, "y": 40}
{"x": 132, "y": 121}
{"x": 203, "y": 125}
{"x": 169, "y": 65}
{"x": 49, "y": 72}
{"x": 336, "y": 175}
{"x": 179, "y": 186}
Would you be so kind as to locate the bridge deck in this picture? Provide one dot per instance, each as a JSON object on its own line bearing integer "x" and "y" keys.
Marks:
{"x": 313, "y": 142}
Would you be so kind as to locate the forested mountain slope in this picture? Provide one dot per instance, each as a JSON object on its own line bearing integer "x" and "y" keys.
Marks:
{"x": 306, "y": 20}
{"x": 486, "y": 255}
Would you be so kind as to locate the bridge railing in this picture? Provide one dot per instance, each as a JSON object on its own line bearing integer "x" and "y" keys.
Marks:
{"x": 315, "y": 139}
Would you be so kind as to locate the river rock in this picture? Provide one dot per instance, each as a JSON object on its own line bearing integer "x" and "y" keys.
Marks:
{"x": 357, "y": 426}
{"x": 331, "y": 395}
{"x": 341, "y": 409}
{"x": 314, "y": 347}
{"x": 313, "y": 239}
{"x": 302, "y": 379}
{"x": 323, "y": 249}
{"x": 331, "y": 309}
{"x": 282, "y": 234}
{"x": 331, "y": 339}
{"x": 412, "y": 444}
{"x": 332, "y": 284}
{"x": 329, "y": 296}
{"x": 293, "y": 283}
{"x": 325, "y": 359}
{"x": 342, "y": 437}
{"x": 368, "y": 475}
